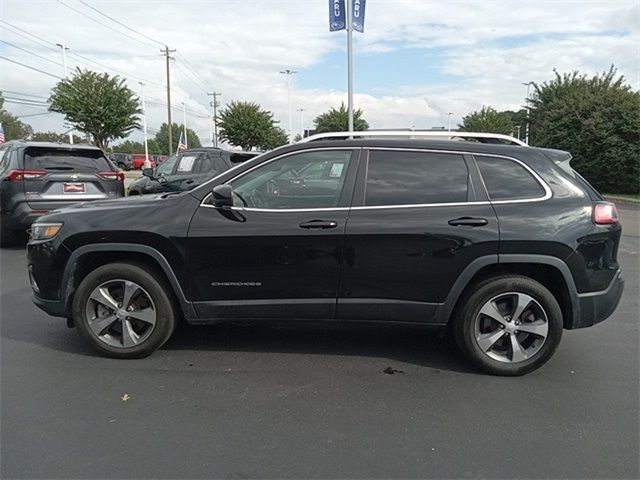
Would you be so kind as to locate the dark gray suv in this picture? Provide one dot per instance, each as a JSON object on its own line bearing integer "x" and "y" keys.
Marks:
{"x": 37, "y": 177}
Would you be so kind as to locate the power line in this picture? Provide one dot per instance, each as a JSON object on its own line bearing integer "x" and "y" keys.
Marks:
{"x": 192, "y": 68}
{"x": 120, "y": 23}
{"x": 35, "y": 102}
{"x": 40, "y": 39}
{"x": 35, "y": 114}
{"x": 30, "y": 67}
{"x": 190, "y": 77}
{"x": 31, "y": 53}
{"x": 104, "y": 24}
{"x": 21, "y": 93}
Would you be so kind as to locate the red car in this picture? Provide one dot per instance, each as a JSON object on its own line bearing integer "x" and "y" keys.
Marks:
{"x": 137, "y": 160}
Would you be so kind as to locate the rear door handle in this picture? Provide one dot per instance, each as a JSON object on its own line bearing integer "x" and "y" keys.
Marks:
{"x": 319, "y": 224}
{"x": 469, "y": 222}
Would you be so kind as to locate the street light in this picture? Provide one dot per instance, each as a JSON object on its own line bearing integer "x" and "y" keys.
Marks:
{"x": 449, "y": 121}
{"x": 147, "y": 163}
{"x": 64, "y": 66}
{"x": 526, "y": 130}
{"x": 301, "y": 110}
{"x": 289, "y": 73}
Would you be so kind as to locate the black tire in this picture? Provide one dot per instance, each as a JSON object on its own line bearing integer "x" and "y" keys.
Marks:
{"x": 154, "y": 286}
{"x": 467, "y": 320}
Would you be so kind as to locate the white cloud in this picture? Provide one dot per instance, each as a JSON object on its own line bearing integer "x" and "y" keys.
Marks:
{"x": 239, "y": 46}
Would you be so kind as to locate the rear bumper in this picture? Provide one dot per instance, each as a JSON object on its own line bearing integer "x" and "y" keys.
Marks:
{"x": 22, "y": 217}
{"x": 594, "y": 307}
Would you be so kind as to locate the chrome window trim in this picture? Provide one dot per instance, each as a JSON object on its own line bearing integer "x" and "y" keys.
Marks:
{"x": 546, "y": 196}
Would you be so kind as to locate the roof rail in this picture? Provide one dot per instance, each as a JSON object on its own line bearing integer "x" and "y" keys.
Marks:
{"x": 480, "y": 136}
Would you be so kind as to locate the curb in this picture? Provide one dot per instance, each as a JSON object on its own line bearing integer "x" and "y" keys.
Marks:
{"x": 623, "y": 200}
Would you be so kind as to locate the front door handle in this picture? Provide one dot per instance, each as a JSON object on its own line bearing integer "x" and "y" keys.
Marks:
{"x": 319, "y": 224}
{"x": 469, "y": 222}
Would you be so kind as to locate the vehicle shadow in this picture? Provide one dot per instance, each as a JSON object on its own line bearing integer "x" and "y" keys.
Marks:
{"x": 415, "y": 345}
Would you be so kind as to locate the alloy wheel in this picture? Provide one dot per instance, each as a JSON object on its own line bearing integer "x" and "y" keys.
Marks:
{"x": 511, "y": 327}
{"x": 120, "y": 313}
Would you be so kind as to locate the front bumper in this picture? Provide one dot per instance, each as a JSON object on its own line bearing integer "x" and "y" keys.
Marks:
{"x": 594, "y": 307}
{"x": 55, "y": 308}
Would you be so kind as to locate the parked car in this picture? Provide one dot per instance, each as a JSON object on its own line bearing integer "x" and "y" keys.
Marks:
{"x": 137, "y": 161}
{"x": 504, "y": 245}
{"x": 37, "y": 177}
{"x": 188, "y": 170}
{"x": 124, "y": 161}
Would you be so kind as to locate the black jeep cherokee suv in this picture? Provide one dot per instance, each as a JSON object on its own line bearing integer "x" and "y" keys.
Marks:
{"x": 504, "y": 244}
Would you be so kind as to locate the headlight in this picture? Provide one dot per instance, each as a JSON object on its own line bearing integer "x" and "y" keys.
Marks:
{"x": 44, "y": 231}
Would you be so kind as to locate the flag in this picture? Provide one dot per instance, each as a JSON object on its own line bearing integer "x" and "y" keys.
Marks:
{"x": 357, "y": 15}
{"x": 182, "y": 144}
{"x": 2, "y": 139}
{"x": 336, "y": 15}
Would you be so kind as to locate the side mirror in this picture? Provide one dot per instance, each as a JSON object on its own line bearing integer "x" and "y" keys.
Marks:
{"x": 147, "y": 172}
{"x": 222, "y": 196}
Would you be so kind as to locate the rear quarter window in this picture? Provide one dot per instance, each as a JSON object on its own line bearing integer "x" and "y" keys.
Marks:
{"x": 508, "y": 180}
{"x": 63, "y": 160}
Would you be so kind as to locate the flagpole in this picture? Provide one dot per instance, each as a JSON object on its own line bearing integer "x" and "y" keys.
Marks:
{"x": 147, "y": 162}
{"x": 184, "y": 122}
{"x": 349, "y": 21}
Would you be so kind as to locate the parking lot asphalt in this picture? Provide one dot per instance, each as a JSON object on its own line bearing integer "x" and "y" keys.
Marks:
{"x": 314, "y": 401}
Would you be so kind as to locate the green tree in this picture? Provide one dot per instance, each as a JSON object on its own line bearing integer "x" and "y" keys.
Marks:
{"x": 275, "y": 138}
{"x": 337, "y": 120}
{"x": 489, "y": 120}
{"x": 162, "y": 138}
{"x": 56, "y": 137}
{"x": 129, "y": 146}
{"x": 518, "y": 118}
{"x": 597, "y": 119}
{"x": 247, "y": 125}
{"x": 14, "y": 129}
{"x": 97, "y": 104}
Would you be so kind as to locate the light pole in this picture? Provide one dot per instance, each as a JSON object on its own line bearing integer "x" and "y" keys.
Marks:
{"x": 526, "y": 129}
{"x": 518, "y": 129}
{"x": 147, "y": 163}
{"x": 301, "y": 110}
{"x": 449, "y": 121}
{"x": 289, "y": 73}
{"x": 214, "y": 105}
{"x": 66, "y": 74}
{"x": 184, "y": 124}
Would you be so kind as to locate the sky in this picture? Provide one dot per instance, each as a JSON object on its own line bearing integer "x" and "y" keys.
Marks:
{"x": 416, "y": 62}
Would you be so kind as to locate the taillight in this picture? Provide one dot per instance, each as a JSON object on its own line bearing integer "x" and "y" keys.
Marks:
{"x": 25, "y": 174}
{"x": 112, "y": 175}
{"x": 605, "y": 213}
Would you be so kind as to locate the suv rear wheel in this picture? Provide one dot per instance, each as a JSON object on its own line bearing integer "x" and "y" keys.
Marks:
{"x": 123, "y": 311}
{"x": 508, "y": 325}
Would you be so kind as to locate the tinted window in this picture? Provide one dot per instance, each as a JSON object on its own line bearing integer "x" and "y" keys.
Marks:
{"x": 409, "y": 178}
{"x": 210, "y": 163}
{"x": 506, "y": 179}
{"x": 304, "y": 180}
{"x": 65, "y": 160}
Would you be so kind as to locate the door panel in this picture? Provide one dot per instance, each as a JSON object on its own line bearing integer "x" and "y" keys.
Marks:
{"x": 269, "y": 256}
{"x": 415, "y": 225}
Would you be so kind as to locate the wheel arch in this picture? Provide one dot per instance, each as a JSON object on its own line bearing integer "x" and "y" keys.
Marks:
{"x": 89, "y": 257}
{"x": 551, "y": 272}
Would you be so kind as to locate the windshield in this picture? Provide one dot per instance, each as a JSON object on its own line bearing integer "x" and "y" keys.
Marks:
{"x": 166, "y": 167}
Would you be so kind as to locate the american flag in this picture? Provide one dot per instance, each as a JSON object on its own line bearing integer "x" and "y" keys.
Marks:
{"x": 2, "y": 139}
{"x": 182, "y": 143}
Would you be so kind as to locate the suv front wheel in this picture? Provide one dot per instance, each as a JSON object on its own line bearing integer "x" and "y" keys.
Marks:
{"x": 508, "y": 325}
{"x": 123, "y": 311}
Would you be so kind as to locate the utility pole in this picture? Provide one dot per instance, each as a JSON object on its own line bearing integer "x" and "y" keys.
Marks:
{"x": 215, "y": 105}
{"x": 302, "y": 110}
{"x": 167, "y": 53}
{"x": 66, "y": 74}
{"x": 147, "y": 163}
{"x": 289, "y": 73}
{"x": 526, "y": 129}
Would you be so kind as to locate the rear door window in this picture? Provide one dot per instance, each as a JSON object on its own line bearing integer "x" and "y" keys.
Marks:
{"x": 186, "y": 163}
{"x": 414, "y": 178}
{"x": 508, "y": 180}
{"x": 63, "y": 160}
